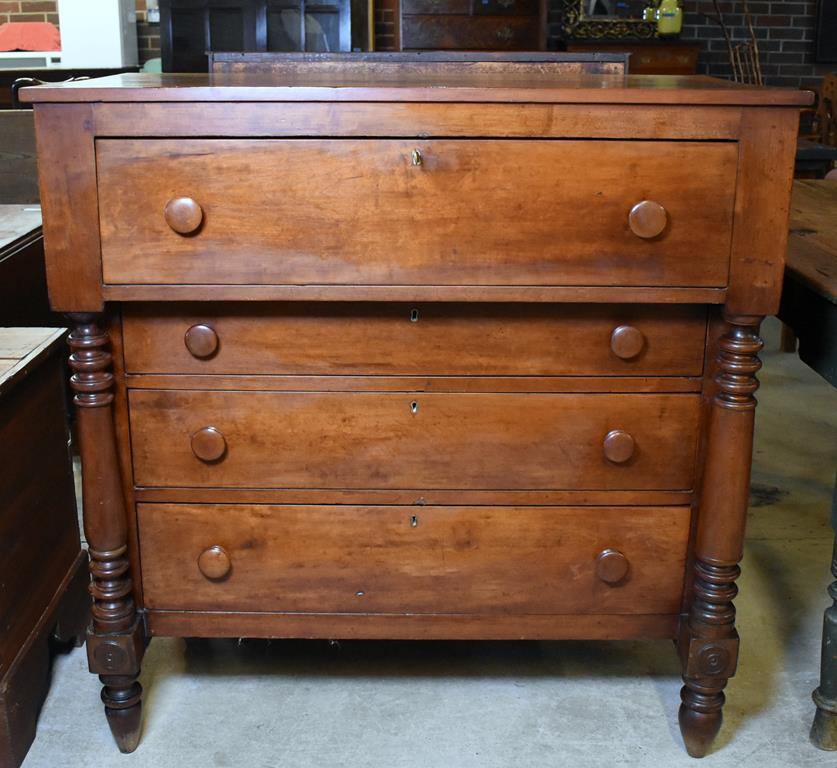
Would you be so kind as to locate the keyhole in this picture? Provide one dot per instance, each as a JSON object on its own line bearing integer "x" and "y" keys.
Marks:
{"x": 413, "y": 521}
{"x": 414, "y": 315}
{"x": 414, "y": 407}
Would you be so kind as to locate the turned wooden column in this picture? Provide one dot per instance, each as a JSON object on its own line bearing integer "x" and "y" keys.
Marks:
{"x": 824, "y": 728}
{"x": 115, "y": 639}
{"x": 708, "y": 640}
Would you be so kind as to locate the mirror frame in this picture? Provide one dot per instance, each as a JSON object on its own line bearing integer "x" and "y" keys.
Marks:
{"x": 576, "y": 26}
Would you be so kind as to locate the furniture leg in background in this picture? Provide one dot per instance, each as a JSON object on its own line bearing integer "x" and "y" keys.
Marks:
{"x": 809, "y": 308}
{"x": 824, "y": 729}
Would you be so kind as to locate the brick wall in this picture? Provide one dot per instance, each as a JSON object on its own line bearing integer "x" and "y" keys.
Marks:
{"x": 148, "y": 35}
{"x": 785, "y": 30}
{"x": 28, "y": 10}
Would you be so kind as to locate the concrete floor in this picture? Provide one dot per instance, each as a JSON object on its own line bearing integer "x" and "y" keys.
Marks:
{"x": 505, "y": 705}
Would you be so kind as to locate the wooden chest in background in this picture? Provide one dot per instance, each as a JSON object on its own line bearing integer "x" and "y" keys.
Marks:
{"x": 498, "y": 25}
{"x": 43, "y": 574}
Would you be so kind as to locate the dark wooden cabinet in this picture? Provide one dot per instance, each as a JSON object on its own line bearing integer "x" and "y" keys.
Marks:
{"x": 647, "y": 57}
{"x": 478, "y": 25}
{"x": 191, "y": 28}
{"x": 43, "y": 574}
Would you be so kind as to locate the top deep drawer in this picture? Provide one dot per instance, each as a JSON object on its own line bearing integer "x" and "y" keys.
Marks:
{"x": 415, "y": 212}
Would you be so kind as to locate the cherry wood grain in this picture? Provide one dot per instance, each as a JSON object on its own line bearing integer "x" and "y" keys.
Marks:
{"x": 406, "y": 86}
{"x": 420, "y": 119}
{"x": 406, "y": 560}
{"x": 69, "y": 201}
{"x": 404, "y": 440}
{"x": 446, "y": 219}
{"x": 417, "y": 496}
{"x": 765, "y": 176}
{"x": 416, "y": 626}
{"x": 418, "y": 384}
{"x": 415, "y": 339}
{"x": 577, "y": 294}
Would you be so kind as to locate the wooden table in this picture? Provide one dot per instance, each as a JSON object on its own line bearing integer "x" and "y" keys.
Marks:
{"x": 43, "y": 574}
{"x": 814, "y": 160}
{"x": 23, "y": 289}
{"x": 809, "y": 307}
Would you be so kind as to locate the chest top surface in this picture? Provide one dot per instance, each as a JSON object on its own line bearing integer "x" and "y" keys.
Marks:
{"x": 404, "y": 84}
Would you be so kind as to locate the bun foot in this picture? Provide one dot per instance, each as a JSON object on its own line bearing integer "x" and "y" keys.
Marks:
{"x": 123, "y": 708}
{"x": 824, "y": 729}
{"x": 700, "y": 717}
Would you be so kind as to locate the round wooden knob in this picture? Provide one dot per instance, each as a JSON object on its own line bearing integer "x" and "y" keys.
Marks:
{"x": 208, "y": 444}
{"x": 201, "y": 341}
{"x": 183, "y": 215}
{"x": 214, "y": 563}
{"x": 618, "y": 446}
{"x": 611, "y": 566}
{"x": 647, "y": 219}
{"x": 626, "y": 341}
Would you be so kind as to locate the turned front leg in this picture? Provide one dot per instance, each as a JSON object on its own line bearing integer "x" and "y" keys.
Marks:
{"x": 824, "y": 729}
{"x": 115, "y": 639}
{"x": 708, "y": 639}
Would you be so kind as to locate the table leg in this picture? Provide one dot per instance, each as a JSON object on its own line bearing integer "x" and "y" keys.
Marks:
{"x": 824, "y": 729}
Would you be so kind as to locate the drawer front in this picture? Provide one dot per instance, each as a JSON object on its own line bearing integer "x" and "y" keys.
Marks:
{"x": 500, "y": 33}
{"x": 413, "y": 559}
{"x": 470, "y": 212}
{"x": 368, "y": 440}
{"x": 431, "y": 339}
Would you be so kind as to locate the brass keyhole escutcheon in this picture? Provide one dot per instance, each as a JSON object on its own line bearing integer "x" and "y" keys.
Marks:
{"x": 414, "y": 407}
{"x": 417, "y": 159}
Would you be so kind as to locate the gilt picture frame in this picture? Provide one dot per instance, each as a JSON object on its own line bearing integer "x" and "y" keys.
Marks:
{"x": 576, "y": 24}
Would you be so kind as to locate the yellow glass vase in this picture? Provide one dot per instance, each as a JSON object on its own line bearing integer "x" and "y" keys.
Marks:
{"x": 669, "y": 17}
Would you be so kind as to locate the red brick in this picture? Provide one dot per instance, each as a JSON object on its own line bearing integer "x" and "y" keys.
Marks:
{"x": 27, "y": 17}
{"x": 8, "y": 7}
{"x": 43, "y": 6}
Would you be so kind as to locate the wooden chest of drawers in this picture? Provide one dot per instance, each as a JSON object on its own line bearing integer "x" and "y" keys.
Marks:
{"x": 473, "y": 25}
{"x": 390, "y": 359}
